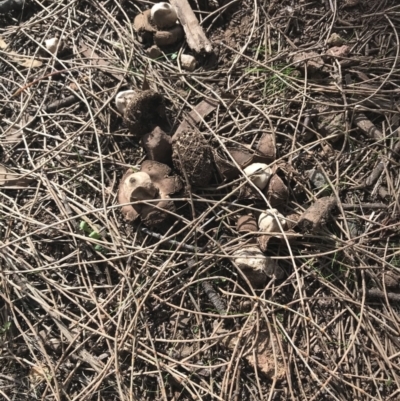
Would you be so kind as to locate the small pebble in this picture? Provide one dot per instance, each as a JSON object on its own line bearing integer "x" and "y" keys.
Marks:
{"x": 154, "y": 52}
{"x": 335, "y": 40}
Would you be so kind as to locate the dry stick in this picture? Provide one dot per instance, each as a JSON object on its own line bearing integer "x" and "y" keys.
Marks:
{"x": 59, "y": 104}
{"x": 195, "y": 36}
{"x": 377, "y": 293}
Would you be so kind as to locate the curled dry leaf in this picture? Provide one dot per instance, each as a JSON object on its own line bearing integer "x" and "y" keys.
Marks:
{"x": 339, "y": 51}
{"x": 144, "y": 111}
{"x": 261, "y": 347}
{"x": 193, "y": 157}
{"x": 38, "y": 374}
{"x": 153, "y": 182}
{"x": 309, "y": 60}
{"x": 335, "y": 40}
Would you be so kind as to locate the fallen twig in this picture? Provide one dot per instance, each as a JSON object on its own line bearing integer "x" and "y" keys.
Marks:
{"x": 59, "y": 104}
{"x": 377, "y": 293}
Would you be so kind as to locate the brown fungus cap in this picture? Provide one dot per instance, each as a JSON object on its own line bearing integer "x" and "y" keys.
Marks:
{"x": 145, "y": 111}
{"x": 168, "y": 37}
{"x": 158, "y": 146}
{"x": 246, "y": 224}
{"x": 242, "y": 155}
{"x": 143, "y": 27}
{"x": 193, "y": 157}
{"x": 267, "y": 147}
{"x": 148, "y": 32}
{"x": 276, "y": 191}
{"x": 152, "y": 182}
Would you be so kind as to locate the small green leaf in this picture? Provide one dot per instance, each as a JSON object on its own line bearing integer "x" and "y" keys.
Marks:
{"x": 85, "y": 227}
{"x": 5, "y": 328}
{"x": 174, "y": 56}
{"x": 100, "y": 249}
{"x": 94, "y": 235}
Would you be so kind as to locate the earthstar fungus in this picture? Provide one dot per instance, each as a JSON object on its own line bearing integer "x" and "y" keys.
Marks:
{"x": 152, "y": 182}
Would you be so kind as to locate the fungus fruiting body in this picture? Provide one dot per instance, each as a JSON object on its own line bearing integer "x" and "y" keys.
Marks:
{"x": 152, "y": 184}
{"x": 193, "y": 157}
{"x": 246, "y": 224}
{"x": 256, "y": 266}
{"x": 158, "y": 25}
{"x": 259, "y": 174}
{"x": 142, "y": 110}
{"x": 276, "y": 191}
{"x": 53, "y": 45}
{"x": 271, "y": 221}
{"x": 163, "y": 15}
{"x": 122, "y": 99}
{"x": 138, "y": 186}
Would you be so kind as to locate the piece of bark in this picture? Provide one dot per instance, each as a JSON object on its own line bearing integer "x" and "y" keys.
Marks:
{"x": 366, "y": 126}
{"x": 214, "y": 297}
{"x": 195, "y": 36}
{"x": 317, "y": 214}
{"x": 59, "y": 104}
{"x": 204, "y": 108}
{"x": 377, "y": 293}
{"x": 158, "y": 146}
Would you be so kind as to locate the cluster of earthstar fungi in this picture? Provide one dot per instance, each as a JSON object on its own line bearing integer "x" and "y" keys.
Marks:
{"x": 146, "y": 194}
